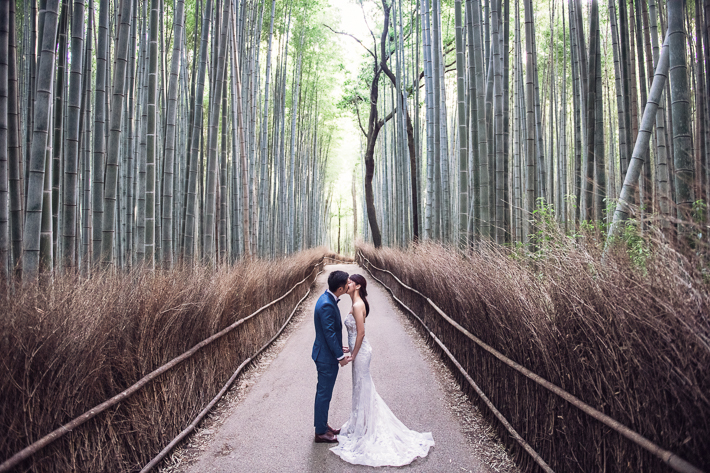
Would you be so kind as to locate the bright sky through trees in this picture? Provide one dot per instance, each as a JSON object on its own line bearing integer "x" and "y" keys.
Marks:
{"x": 347, "y": 149}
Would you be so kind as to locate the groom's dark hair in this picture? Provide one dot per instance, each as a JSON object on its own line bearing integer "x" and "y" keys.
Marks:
{"x": 337, "y": 279}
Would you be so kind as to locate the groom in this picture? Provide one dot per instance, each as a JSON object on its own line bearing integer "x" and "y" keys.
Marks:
{"x": 328, "y": 352}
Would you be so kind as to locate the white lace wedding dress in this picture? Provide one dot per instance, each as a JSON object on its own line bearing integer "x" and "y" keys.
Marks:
{"x": 373, "y": 436}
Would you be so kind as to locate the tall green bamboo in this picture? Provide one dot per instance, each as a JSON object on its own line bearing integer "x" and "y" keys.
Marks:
{"x": 14, "y": 144}
{"x": 662, "y": 177}
{"x": 591, "y": 109}
{"x": 599, "y": 161}
{"x": 57, "y": 150}
{"x": 618, "y": 84}
{"x": 500, "y": 176}
{"x": 680, "y": 104}
{"x": 86, "y": 217}
{"x": 4, "y": 182}
{"x": 429, "y": 101}
{"x": 291, "y": 221}
{"x": 170, "y": 138}
{"x": 113, "y": 148}
{"x": 264, "y": 134}
{"x": 216, "y": 101}
{"x": 531, "y": 142}
{"x": 99, "y": 163}
{"x": 71, "y": 161}
{"x": 151, "y": 138}
{"x": 42, "y": 106}
{"x": 623, "y": 208}
{"x": 436, "y": 55}
{"x": 463, "y": 200}
{"x": 484, "y": 189}
{"x": 700, "y": 110}
{"x": 196, "y": 126}
{"x": 577, "y": 102}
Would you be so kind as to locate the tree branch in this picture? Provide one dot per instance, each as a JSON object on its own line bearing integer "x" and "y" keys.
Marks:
{"x": 382, "y": 121}
{"x": 374, "y": 41}
{"x": 358, "y": 118}
{"x": 353, "y": 37}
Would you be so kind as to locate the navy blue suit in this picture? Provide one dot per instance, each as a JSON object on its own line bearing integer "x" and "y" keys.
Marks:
{"x": 327, "y": 348}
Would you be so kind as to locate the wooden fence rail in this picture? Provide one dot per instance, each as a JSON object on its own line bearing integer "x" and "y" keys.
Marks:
{"x": 669, "y": 458}
{"x": 58, "y": 433}
{"x": 158, "y": 458}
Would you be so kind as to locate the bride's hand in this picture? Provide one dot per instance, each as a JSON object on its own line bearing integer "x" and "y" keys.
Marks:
{"x": 346, "y": 349}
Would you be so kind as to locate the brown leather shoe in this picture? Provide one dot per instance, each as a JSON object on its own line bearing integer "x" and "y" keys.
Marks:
{"x": 333, "y": 431}
{"x": 327, "y": 437}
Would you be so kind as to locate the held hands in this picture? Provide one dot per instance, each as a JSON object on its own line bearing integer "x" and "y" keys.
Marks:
{"x": 347, "y": 359}
{"x": 344, "y": 361}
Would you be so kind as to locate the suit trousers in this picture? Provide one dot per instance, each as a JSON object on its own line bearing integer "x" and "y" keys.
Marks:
{"x": 327, "y": 373}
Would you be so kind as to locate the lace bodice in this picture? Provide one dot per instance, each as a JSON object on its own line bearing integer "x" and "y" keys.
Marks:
{"x": 351, "y": 326}
{"x": 373, "y": 435}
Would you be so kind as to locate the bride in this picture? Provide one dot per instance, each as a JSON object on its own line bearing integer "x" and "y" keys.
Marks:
{"x": 373, "y": 435}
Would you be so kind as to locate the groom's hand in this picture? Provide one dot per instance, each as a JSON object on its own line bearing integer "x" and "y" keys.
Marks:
{"x": 346, "y": 349}
{"x": 344, "y": 361}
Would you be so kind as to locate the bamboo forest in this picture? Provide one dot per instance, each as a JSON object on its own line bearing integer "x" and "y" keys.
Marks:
{"x": 524, "y": 184}
{"x": 150, "y": 132}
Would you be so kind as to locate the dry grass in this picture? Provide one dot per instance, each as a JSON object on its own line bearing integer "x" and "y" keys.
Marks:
{"x": 632, "y": 341}
{"x": 71, "y": 345}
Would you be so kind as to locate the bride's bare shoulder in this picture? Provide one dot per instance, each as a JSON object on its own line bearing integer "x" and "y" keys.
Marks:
{"x": 359, "y": 306}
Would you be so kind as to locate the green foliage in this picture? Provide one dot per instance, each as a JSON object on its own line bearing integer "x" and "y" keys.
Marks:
{"x": 699, "y": 214}
{"x": 547, "y": 228}
{"x": 549, "y": 237}
{"x": 637, "y": 247}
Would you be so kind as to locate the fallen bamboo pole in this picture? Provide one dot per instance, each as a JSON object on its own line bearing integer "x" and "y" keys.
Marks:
{"x": 668, "y": 457}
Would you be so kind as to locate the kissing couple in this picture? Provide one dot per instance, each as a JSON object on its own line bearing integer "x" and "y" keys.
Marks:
{"x": 372, "y": 435}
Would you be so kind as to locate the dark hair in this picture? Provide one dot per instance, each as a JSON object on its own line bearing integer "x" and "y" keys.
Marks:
{"x": 359, "y": 280}
{"x": 336, "y": 280}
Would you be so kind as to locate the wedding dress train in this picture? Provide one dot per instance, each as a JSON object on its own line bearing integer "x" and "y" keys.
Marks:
{"x": 373, "y": 436}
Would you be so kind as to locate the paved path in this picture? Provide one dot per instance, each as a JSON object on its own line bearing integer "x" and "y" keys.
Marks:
{"x": 271, "y": 430}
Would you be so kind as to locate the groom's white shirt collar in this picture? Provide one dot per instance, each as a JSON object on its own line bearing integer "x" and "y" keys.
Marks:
{"x": 336, "y": 299}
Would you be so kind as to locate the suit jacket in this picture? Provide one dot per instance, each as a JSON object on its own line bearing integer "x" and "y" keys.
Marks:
{"x": 328, "y": 346}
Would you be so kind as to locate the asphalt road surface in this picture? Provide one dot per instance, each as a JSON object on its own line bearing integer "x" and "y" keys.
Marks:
{"x": 271, "y": 429}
